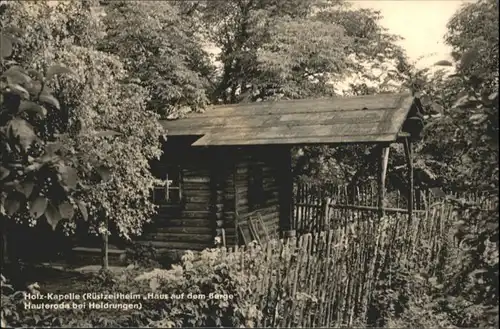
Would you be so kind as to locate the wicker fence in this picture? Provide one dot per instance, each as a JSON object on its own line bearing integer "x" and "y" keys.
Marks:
{"x": 327, "y": 279}
{"x": 322, "y": 208}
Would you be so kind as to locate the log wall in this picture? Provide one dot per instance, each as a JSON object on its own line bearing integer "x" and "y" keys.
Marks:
{"x": 215, "y": 184}
{"x": 207, "y": 201}
{"x": 269, "y": 160}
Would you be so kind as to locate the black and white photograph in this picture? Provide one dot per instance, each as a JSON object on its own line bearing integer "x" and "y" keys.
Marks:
{"x": 249, "y": 164}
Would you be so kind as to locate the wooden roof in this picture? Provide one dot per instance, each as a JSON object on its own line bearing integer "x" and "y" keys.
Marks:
{"x": 374, "y": 118}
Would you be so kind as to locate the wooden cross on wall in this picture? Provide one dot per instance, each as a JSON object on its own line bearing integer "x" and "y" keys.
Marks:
{"x": 168, "y": 182}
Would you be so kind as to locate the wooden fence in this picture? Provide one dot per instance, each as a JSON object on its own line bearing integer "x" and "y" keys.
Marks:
{"x": 327, "y": 279}
{"x": 322, "y": 208}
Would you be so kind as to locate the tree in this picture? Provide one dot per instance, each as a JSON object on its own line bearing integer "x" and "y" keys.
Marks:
{"x": 469, "y": 127}
{"x": 459, "y": 146}
{"x": 103, "y": 125}
{"x": 270, "y": 48}
{"x": 470, "y": 124}
{"x": 370, "y": 48}
{"x": 35, "y": 181}
{"x": 162, "y": 51}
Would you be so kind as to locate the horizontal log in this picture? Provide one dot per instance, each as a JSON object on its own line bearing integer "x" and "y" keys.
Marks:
{"x": 229, "y": 231}
{"x": 187, "y": 214}
{"x": 368, "y": 208}
{"x": 229, "y": 195}
{"x": 245, "y": 203}
{"x": 270, "y": 197}
{"x": 169, "y": 222}
{"x": 195, "y": 169}
{"x": 245, "y": 177}
{"x": 197, "y": 199}
{"x": 219, "y": 207}
{"x": 179, "y": 237}
{"x": 206, "y": 192}
{"x": 229, "y": 223}
{"x": 98, "y": 250}
{"x": 186, "y": 230}
{"x": 240, "y": 169}
{"x": 263, "y": 211}
{"x": 271, "y": 202}
{"x": 196, "y": 186}
{"x": 177, "y": 245}
{"x": 272, "y": 217}
{"x": 269, "y": 209}
{"x": 227, "y": 214}
{"x": 310, "y": 205}
{"x": 244, "y": 167}
{"x": 196, "y": 179}
{"x": 241, "y": 179}
{"x": 242, "y": 210}
{"x": 242, "y": 201}
{"x": 193, "y": 189}
{"x": 197, "y": 207}
{"x": 270, "y": 179}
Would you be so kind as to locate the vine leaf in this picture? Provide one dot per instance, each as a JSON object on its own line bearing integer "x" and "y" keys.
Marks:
{"x": 66, "y": 210}
{"x": 53, "y": 216}
{"x": 38, "y": 207}
{"x": 83, "y": 209}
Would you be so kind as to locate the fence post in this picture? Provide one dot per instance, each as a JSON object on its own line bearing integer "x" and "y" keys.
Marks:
{"x": 325, "y": 214}
{"x": 382, "y": 165}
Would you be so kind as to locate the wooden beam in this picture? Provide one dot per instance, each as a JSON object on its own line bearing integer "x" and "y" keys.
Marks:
{"x": 384, "y": 159}
{"x": 5, "y": 257}
{"x": 402, "y": 136}
{"x": 286, "y": 189}
{"x": 105, "y": 248}
{"x": 374, "y": 209}
{"x": 235, "y": 204}
{"x": 104, "y": 251}
{"x": 409, "y": 161}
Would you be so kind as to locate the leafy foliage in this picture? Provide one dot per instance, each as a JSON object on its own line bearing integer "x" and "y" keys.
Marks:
{"x": 463, "y": 142}
{"x": 143, "y": 256}
{"x": 459, "y": 146}
{"x": 458, "y": 289}
{"x": 102, "y": 126}
{"x": 36, "y": 180}
{"x": 272, "y": 49}
{"x": 160, "y": 48}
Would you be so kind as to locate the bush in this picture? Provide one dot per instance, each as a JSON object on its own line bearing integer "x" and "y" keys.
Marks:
{"x": 206, "y": 290}
{"x": 144, "y": 256}
{"x": 458, "y": 288}
{"x": 15, "y": 314}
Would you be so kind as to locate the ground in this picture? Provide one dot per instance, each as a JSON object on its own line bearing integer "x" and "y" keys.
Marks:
{"x": 53, "y": 278}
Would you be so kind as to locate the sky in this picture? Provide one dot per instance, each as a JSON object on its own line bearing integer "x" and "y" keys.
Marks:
{"x": 422, "y": 24}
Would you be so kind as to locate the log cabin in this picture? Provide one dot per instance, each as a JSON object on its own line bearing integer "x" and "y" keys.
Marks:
{"x": 231, "y": 162}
